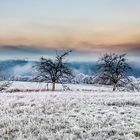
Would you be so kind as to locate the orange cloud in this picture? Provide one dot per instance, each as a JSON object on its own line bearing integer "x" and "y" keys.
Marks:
{"x": 99, "y": 39}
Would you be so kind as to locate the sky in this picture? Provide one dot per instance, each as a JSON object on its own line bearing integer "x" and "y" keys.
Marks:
{"x": 29, "y": 28}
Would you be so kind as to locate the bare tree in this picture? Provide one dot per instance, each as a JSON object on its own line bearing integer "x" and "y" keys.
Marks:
{"x": 113, "y": 67}
{"x": 55, "y": 70}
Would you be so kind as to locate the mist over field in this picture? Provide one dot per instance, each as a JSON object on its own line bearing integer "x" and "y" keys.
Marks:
{"x": 25, "y": 68}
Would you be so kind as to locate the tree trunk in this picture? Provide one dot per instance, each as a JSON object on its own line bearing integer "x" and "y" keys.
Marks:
{"x": 114, "y": 87}
{"x": 53, "y": 86}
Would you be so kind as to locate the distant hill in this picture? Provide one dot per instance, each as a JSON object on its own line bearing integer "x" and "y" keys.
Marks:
{"x": 24, "y": 68}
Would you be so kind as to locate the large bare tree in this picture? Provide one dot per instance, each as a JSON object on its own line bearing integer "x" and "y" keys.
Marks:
{"x": 55, "y": 70}
{"x": 113, "y": 67}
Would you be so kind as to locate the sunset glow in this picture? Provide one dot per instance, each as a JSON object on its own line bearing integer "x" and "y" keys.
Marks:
{"x": 87, "y": 25}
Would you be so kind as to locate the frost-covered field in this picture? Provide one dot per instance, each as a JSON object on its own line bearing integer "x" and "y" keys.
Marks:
{"x": 70, "y": 115}
{"x": 74, "y": 87}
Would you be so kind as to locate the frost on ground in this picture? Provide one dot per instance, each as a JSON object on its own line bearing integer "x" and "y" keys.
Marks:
{"x": 70, "y": 115}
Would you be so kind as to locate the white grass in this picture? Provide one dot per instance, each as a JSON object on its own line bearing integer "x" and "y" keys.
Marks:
{"x": 70, "y": 115}
{"x": 73, "y": 87}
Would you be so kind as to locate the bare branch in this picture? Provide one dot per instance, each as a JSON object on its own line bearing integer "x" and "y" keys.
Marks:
{"x": 55, "y": 70}
{"x": 113, "y": 67}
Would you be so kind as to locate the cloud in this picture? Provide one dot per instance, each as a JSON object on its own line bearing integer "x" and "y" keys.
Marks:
{"x": 86, "y": 51}
{"x": 131, "y": 48}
